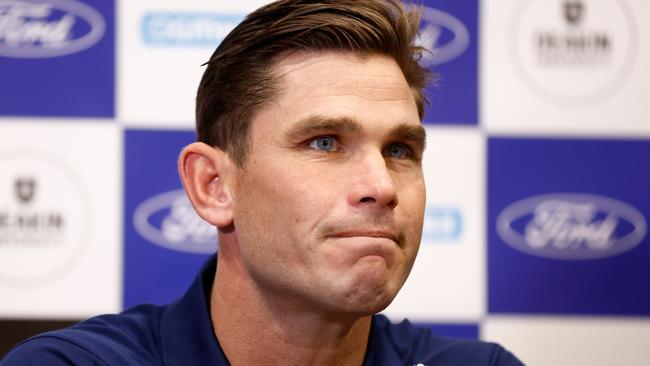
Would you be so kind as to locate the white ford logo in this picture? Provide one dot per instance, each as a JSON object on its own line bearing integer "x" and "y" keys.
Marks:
{"x": 571, "y": 226}
{"x": 169, "y": 220}
{"x": 47, "y": 29}
{"x": 434, "y": 23}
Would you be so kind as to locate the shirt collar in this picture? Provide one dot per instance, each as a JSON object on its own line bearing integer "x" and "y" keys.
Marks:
{"x": 187, "y": 336}
{"x": 186, "y": 332}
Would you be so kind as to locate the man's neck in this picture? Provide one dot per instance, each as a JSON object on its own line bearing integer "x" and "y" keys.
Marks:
{"x": 253, "y": 329}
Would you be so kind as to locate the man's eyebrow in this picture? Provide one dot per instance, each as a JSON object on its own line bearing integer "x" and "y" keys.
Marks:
{"x": 316, "y": 124}
{"x": 415, "y": 134}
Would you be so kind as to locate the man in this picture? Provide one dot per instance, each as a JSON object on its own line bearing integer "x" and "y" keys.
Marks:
{"x": 309, "y": 164}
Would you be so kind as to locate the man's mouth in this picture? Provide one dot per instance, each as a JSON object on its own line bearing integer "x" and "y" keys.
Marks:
{"x": 366, "y": 234}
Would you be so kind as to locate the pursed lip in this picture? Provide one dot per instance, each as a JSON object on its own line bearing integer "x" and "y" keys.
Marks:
{"x": 366, "y": 234}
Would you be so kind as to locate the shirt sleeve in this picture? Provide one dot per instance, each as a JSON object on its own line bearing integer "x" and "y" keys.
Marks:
{"x": 49, "y": 351}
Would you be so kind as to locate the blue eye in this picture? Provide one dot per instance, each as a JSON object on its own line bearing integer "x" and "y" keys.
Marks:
{"x": 397, "y": 151}
{"x": 324, "y": 143}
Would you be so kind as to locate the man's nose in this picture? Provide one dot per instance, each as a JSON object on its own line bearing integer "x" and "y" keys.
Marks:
{"x": 372, "y": 182}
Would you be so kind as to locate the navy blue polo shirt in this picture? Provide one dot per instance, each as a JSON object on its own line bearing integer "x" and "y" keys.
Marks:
{"x": 181, "y": 334}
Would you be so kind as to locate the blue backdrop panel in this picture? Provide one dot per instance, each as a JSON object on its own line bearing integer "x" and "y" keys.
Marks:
{"x": 462, "y": 330}
{"x": 41, "y": 77}
{"x": 454, "y": 26}
{"x": 592, "y": 255}
{"x": 153, "y": 273}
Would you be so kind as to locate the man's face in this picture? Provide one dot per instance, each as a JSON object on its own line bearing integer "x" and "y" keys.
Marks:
{"x": 329, "y": 207}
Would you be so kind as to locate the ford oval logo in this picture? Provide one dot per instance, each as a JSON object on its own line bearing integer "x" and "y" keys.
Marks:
{"x": 168, "y": 220}
{"x": 442, "y": 34}
{"x": 50, "y": 28}
{"x": 571, "y": 226}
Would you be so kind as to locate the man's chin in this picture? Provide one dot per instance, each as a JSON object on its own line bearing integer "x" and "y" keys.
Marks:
{"x": 368, "y": 298}
{"x": 366, "y": 287}
{"x": 363, "y": 307}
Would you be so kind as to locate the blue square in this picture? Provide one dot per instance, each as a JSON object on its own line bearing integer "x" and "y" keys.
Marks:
{"x": 568, "y": 226}
{"x": 165, "y": 241}
{"x": 455, "y": 330}
{"x": 57, "y": 58}
{"x": 451, "y": 29}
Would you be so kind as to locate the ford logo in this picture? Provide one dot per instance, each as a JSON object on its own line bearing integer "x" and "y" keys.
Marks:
{"x": 47, "y": 29}
{"x": 443, "y": 35}
{"x": 168, "y": 220}
{"x": 571, "y": 226}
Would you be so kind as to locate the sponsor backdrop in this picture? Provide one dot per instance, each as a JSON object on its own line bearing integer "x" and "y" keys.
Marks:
{"x": 536, "y": 225}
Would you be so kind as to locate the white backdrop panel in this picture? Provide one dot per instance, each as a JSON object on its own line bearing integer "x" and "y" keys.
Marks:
{"x": 547, "y": 69}
{"x": 448, "y": 279}
{"x": 60, "y": 201}
{"x": 162, "y": 47}
{"x": 567, "y": 341}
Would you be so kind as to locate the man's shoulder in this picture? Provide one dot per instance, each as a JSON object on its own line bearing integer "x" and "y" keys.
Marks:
{"x": 414, "y": 345}
{"x": 131, "y": 337}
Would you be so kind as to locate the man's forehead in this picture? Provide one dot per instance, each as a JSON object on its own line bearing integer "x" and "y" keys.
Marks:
{"x": 373, "y": 75}
{"x": 291, "y": 62}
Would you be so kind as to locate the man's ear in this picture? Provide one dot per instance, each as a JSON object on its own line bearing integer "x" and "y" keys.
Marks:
{"x": 206, "y": 173}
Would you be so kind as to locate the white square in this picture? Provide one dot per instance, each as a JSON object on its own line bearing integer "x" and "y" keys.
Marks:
{"x": 447, "y": 282}
{"x": 553, "y": 67}
{"x": 567, "y": 341}
{"x": 161, "y": 46}
{"x": 60, "y": 227}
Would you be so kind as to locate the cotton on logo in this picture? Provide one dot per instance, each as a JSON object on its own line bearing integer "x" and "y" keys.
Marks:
{"x": 187, "y": 29}
{"x": 442, "y": 224}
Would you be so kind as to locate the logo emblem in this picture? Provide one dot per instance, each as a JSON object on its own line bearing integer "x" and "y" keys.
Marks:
{"x": 25, "y": 189}
{"x": 169, "y": 220}
{"x": 44, "y": 217}
{"x": 573, "y": 52}
{"x": 442, "y": 224}
{"x": 573, "y": 11}
{"x": 571, "y": 226}
{"x": 187, "y": 29}
{"x": 50, "y": 28}
{"x": 444, "y": 36}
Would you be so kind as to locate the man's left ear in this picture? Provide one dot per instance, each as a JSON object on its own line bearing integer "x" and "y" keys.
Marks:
{"x": 206, "y": 174}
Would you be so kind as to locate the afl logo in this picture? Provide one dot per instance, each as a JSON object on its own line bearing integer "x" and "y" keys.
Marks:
{"x": 571, "y": 226}
{"x": 30, "y": 29}
{"x": 444, "y": 36}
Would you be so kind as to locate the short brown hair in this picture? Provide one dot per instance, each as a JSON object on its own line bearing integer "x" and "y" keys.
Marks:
{"x": 239, "y": 77}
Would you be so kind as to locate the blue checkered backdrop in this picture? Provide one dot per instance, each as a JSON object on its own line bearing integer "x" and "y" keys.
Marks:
{"x": 537, "y": 169}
